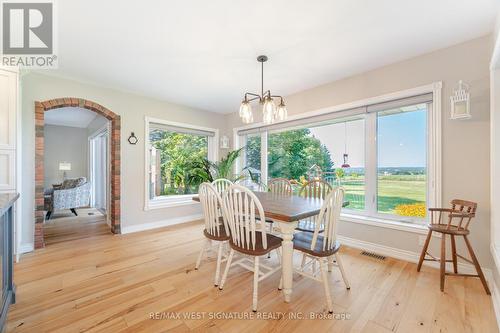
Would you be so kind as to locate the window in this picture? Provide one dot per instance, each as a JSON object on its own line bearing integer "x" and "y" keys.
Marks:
{"x": 252, "y": 157}
{"x": 296, "y": 154}
{"x": 402, "y": 161}
{"x": 176, "y": 155}
{"x": 385, "y": 155}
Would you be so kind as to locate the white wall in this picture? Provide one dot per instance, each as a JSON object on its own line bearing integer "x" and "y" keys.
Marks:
{"x": 465, "y": 144}
{"x": 65, "y": 144}
{"x": 96, "y": 124}
{"x": 132, "y": 109}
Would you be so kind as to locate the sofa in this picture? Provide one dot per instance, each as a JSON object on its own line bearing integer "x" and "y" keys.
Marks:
{"x": 73, "y": 193}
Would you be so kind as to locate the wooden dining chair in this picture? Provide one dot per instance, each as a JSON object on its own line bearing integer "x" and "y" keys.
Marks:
{"x": 215, "y": 225}
{"x": 221, "y": 184}
{"x": 280, "y": 186}
{"x": 316, "y": 188}
{"x": 457, "y": 223}
{"x": 318, "y": 247}
{"x": 248, "y": 237}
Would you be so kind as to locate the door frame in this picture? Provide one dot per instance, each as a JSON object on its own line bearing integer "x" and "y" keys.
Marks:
{"x": 104, "y": 130}
{"x": 115, "y": 160}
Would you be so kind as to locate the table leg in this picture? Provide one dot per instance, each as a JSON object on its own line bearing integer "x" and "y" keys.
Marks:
{"x": 287, "y": 229}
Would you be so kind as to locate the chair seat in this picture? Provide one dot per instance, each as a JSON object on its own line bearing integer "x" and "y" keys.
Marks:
{"x": 223, "y": 235}
{"x": 453, "y": 230}
{"x": 273, "y": 242}
{"x": 302, "y": 242}
{"x": 308, "y": 226}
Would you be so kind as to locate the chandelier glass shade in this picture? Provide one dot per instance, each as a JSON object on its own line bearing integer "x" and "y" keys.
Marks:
{"x": 246, "y": 112}
{"x": 270, "y": 112}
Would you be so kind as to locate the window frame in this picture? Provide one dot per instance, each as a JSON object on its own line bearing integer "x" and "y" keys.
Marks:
{"x": 173, "y": 200}
{"x": 367, "y": 216}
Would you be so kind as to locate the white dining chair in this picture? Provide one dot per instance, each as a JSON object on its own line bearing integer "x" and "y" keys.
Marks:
{"x": 221, "y": 184}
{"x": 248, "y": 236}
{"x": 280, "y": 186}
{"x": 318, "y": 247}
{"x": 215, "y": 225}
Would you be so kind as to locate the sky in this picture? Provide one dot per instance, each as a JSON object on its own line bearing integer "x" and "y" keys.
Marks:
{"x": 401, "y": 140}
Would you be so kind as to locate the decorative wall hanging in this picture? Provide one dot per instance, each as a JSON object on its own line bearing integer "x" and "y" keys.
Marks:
{"x": 224, "y": 142}
{"x": 460, "y": 102}
{"x": 132, "y": 139}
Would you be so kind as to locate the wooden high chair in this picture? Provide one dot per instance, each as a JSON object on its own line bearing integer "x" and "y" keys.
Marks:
{"x": 459, "y": 217}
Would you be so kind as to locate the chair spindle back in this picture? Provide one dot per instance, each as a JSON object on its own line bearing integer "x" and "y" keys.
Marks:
{"x": 242, "y": 207}
{"x": 211, "y": 201}
{"x": 461, "y": 210}
{"x": 315, "y": 188}
{"x": 221, "y": 185}
{"x": 329, "y": 216}
{"x": 280, "y": 186}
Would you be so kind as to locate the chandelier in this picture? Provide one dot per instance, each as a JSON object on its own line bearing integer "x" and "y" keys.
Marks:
{"x": 270, "y": 113}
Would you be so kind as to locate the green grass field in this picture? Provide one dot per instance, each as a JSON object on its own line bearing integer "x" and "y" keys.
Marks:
{"x": 392, "y": 191}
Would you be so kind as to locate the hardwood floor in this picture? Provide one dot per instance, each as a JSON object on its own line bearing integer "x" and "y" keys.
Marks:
{"x": 64, "y": 226}
{"x": 140, "y": 282}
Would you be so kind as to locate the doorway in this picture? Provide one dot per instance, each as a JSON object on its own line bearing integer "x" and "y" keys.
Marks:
{"x": 112, "y": 191}
{"x": 99, "y": 170}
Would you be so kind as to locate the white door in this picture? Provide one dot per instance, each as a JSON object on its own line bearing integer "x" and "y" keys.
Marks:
{"x": 99, "y": 170}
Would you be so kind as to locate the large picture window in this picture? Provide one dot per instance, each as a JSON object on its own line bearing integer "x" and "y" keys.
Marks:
{"x": 296, "y": 155}
{"x": 381, "y": 153}
{"x": 402, "y": 161}
{"x": 176, "y": 154}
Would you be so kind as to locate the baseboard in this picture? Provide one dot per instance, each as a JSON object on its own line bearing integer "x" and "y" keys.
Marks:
{"x": 410, "y": 256}
{"x": 25, "y": 248}
{"x": 495, "y": 295}
{"x": 160, "y": 224}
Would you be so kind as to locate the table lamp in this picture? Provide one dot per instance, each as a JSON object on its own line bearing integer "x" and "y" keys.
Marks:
{"x": 64, "y": 166}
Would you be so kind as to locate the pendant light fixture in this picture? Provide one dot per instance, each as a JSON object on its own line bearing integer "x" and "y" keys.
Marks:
{"x": 270, "y": 112}
{"x": 346, "y": 155}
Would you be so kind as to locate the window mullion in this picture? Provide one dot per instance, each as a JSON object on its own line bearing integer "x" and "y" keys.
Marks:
{"x": 371, "y": 164}
{"x": 263, "y": 157}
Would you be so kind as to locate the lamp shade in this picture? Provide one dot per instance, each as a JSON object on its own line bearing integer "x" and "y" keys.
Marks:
{"x": 65, "y": 166}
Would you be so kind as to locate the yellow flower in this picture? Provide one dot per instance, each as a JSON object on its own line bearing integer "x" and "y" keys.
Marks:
{"x": 416, "y": 210}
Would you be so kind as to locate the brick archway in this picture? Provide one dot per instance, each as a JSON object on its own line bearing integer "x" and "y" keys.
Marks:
{"x": 40, "y": 108}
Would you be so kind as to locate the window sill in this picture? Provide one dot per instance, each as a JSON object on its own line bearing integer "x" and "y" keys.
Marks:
{"x": 384, "y": 223}
{"x": 167, "y": 202}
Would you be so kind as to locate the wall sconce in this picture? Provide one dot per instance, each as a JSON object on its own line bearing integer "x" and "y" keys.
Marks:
{"x": 224, "y": 142}
{"x": 132, "y": 139}
{"x": 460, "y": 102}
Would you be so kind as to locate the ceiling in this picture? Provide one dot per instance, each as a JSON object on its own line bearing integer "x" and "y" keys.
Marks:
{"x": 70, "y": 116}
{"x": 202, "y": 53}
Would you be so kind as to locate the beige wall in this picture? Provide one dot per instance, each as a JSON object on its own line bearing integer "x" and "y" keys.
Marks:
{"x": 132, "y": 109}
{"x": 96, "y": 124}
{"x": 465, "y": 145}
{"x": 65, "y": 144}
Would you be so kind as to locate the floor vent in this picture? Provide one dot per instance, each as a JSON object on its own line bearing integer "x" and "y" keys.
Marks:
{"x": 373, "y": 255}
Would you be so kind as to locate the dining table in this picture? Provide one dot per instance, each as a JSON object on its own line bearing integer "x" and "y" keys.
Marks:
{"x": 286, "y": 211}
